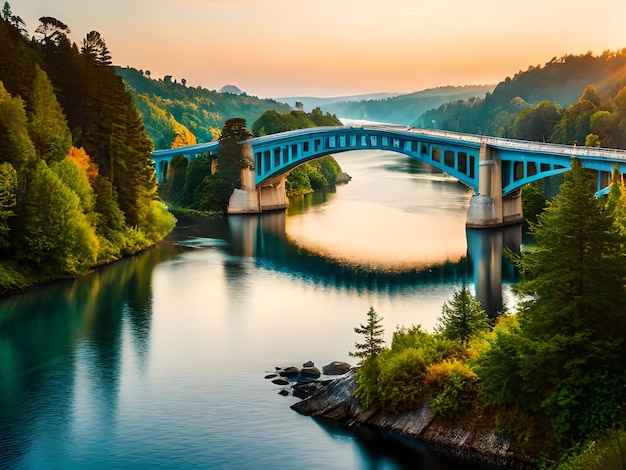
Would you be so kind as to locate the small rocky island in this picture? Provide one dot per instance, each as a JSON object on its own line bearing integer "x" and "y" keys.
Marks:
{"x": 332, "y": 398}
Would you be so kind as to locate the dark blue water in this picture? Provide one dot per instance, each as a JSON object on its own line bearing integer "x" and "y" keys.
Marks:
{"x": 158, "y": 361}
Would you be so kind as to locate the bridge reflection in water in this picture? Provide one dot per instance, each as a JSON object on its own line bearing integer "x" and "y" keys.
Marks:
{"x": 263, "y": 237}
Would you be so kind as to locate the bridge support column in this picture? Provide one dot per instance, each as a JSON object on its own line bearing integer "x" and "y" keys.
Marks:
{"x": 488, "y": 208}
{"x": 252, "y": 200}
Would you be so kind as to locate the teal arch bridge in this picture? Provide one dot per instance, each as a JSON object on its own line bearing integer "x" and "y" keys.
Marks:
{"x": 494, "y": 168}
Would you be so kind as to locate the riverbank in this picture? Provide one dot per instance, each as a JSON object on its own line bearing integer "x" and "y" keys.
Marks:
{"x": 462, "y": 441}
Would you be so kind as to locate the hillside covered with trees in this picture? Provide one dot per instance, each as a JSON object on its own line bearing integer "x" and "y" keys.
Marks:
{"x": 176, "y": 115}
{"x": 568, "y": 99}
{"x": 77, "y": 180}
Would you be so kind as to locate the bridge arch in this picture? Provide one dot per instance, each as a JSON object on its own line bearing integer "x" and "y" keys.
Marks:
{"x": 276, "y": 157}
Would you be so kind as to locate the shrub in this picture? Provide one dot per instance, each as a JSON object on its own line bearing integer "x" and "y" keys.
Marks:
{"x": 452, "y": 386}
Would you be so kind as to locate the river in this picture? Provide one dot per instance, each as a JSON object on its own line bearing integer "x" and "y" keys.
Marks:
{"x": 159, "y": 361}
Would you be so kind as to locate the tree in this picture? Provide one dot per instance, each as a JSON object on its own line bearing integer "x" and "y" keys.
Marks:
{"x": 58, "y": 237}
{"x": 95, "y": 47}
{"x": 52, "y": 31}
{"x": 573, "y": 316}
{"x": 462, "y": 317}
{"x": 46, "y": 124}
{"x": 8, "y": 200}
{"x": 17, "y": 22}
{"x": 373, "y": 337}
{"x": 536, "y": 123}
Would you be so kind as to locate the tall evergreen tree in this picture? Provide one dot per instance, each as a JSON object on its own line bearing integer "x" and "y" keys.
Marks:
{"x": 571, "y": 355}
{"x": 372, "y": 332}
{"x": 46, "y": 124}
{"x": 462, "y": 317}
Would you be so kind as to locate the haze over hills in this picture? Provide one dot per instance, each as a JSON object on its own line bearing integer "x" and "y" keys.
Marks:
{"x": 310, "y": 103}
{"x": 393, "y": 108}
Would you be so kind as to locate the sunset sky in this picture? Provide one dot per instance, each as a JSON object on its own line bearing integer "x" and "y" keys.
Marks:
{"x": 280, "y": 48}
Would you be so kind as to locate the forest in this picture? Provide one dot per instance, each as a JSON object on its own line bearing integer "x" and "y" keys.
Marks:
{"x": 77, "y": 180}
{"x": 175, "y": 114}
{"x": 575, "y": 99}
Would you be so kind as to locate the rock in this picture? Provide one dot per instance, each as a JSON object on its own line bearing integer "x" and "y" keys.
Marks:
{"x": 306, "y": 389}
{"x": 280, "y": 381}
{"x": 308, "y": 364}
{"x": 336, "y": 368}
{"x": 289, "y": 372}
{"x": 310, "y": 373}
{"x": 335, "y": 401}
{"x": 271, "y": 376}
{"x": 283, "y": 392}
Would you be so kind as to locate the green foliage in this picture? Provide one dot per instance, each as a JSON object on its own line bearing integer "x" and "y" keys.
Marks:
{"x": 533, "y": 201}
{"x": 453, "y": 388}
{"x": 462, "y": 317}
{"x": 580, "y": 81}
{"x": 605, "y": 452}
{"x": 62, "y": 212}
{"x": 16, "y": 147}
{"x": 571, "y": 324}
{"x": 394, "y": 379}
{"x": 165, "y": 104}
{"x": 8, "y": 200}
{"x": 58, "y": 237}
{"x": 46, "y": 124}
{"x": 373, "y": 333}
{"x": 536, "y": 123}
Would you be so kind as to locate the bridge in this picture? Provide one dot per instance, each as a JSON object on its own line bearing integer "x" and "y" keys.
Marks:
{"x": 495, "y": 168}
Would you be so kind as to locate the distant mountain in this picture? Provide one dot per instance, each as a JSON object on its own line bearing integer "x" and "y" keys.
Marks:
{"x": 232, "y": 89}
{"x": 403, "y": 108}
{"x": 310, "y": 103}
{"x": 175, "y": 114}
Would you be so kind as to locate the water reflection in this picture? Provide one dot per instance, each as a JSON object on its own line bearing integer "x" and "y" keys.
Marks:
{"x": 485, "y": 250}
{"x": 485, "y": 266}
{"x": 78, "y": 328}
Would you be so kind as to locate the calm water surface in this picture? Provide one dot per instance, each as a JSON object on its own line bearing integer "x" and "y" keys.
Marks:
{"x": 158, "y": 361}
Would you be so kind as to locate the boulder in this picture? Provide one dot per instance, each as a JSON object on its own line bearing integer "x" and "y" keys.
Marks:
{"x": 271, "y": 376}
{"x": 289, "y": 372}
{"x": 308, "y": 364}
{"x": 280, "y": 381}
{"x": 336, "y": 368}
{"x": 306, "y": 389}
{"x": 310, "y": 373}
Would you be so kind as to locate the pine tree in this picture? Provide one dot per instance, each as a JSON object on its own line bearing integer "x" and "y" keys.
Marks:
{"x": 462, "y": 317}
{"x": 573, "y": 320}
{"x": 373, "y": 337}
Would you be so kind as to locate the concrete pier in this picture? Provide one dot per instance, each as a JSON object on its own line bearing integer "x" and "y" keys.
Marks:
{"x": 250, "y": 199}
{"x": 488, "y": 208}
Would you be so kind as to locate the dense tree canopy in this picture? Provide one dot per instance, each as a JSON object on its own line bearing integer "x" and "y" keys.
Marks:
{"x": 77, "y": 183}
{"x": 568, "y": 350}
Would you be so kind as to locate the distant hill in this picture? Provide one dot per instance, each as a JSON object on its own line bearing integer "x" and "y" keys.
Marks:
{"x": 310, "y": 103}
{"x": 175, "y": 115}
{"x": 232, "y": 89}
{"x": 560, "y": 81}
{"x": 403, "y": 109}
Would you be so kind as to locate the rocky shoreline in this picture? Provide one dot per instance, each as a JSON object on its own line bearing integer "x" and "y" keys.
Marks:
{"x": 332, "y": 399}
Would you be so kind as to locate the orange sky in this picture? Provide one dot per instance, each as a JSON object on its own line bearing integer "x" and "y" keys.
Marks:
{"x": 279, "y": 48}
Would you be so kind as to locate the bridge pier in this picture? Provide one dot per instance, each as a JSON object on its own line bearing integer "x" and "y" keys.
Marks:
{"x": 488, "y": 208}
{"x": 250, "y": 199}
